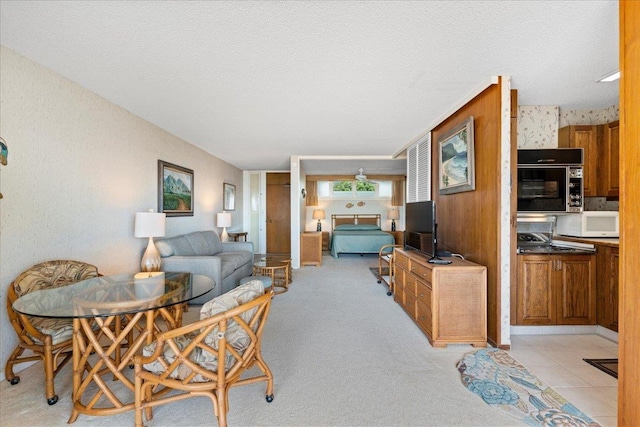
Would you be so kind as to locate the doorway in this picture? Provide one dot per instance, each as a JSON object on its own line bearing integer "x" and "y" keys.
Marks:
{"x": 279, "y": 213}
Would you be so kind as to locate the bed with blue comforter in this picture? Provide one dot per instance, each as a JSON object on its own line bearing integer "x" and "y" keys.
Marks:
{"x": 361, "y": 237}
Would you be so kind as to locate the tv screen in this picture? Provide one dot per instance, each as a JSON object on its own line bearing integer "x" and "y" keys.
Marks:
{"x": 420, "y": 227}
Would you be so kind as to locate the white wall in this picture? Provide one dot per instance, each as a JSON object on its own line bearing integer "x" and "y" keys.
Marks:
{"x": 78, "y": 169}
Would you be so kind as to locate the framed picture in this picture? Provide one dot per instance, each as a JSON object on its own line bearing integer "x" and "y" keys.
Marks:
{"x": 229, "y": 197}
{"x": 175, "y": 189}
{"x": 456, "y": 160}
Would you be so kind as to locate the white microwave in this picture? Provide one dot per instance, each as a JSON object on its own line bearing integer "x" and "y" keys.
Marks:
{"x": 589, "y": 224}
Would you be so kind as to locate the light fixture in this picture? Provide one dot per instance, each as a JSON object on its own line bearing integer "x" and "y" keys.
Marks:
{"x": 224, "y": 221}
{"x": 319, "y": 215}
{"x": 393, "y": 214}
{"x": 150, "y": 224}
{"x": 611, "y": 77}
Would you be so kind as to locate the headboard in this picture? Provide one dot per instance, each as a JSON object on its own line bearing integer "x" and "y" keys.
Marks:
{"x": 339, "y": 219}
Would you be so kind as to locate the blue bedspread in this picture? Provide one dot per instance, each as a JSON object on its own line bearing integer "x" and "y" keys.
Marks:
{"x": 359, "y": 241}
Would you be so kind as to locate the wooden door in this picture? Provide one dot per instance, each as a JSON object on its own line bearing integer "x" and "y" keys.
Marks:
{"x": 607, "y": 287}
{"x": 535, "y": 299}
{"x": 576, "y": 284}
{"x": 278, "y": 213}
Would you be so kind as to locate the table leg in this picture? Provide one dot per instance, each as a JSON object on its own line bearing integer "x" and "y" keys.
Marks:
{"x": 111, "y": 360}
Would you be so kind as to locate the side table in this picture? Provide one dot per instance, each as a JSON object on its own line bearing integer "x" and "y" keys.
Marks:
{"x": 277, "y": 270}
{"x": 236, "y": 235}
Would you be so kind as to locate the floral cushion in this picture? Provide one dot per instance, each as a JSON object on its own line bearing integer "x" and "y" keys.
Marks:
{"x": 53, "y": 274}
{"x": 235, "y": 335}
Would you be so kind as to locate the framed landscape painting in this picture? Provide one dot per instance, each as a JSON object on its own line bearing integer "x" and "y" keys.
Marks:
{"x": 456, "y": 159}
{"x": 175, "y": 189}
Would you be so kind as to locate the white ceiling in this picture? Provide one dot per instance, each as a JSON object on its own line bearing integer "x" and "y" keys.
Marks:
{"x": 255, "y": 82}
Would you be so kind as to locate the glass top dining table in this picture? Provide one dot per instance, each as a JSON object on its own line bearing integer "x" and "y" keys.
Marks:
{"x": 113, "y": 295}
{"x": 113, "y": 318}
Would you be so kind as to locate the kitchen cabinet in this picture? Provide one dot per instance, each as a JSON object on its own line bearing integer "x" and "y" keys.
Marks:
{"x": 610, "y": 153}
{"x": 607, "y": 287}
{"x": 556, "y": 290}
{"x": 587, "y": 138}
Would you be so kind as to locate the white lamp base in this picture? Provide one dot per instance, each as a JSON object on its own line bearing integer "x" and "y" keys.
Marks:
{"x": 224, "y": 237}
{"x": 151, "y": 260}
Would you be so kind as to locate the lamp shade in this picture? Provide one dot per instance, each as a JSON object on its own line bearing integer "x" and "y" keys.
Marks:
{"x": 150, "y": 224}
{"x": 318, "y": 214}
{"x": 224, "y": 219}
{"x": 393, "y": 213}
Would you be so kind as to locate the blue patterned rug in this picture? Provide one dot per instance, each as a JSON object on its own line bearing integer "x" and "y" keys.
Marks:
{"x": 508, "y": 386}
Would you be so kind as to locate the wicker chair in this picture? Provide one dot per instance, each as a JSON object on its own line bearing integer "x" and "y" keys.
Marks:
{"x": 49, "y": 340}
{"x": 207, "y": 357}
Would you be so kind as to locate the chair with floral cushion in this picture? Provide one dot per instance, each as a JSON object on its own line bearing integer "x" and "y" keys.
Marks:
{"x": 48, "y": 339}
{"x": 207, "y": 357}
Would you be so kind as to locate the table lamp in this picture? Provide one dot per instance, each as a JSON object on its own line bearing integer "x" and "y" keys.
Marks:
{"x": 150, "y": 224}
{"x": 318, "y": 214}
{"x": 393, "y": 214}
{"x": 224, "y": 221}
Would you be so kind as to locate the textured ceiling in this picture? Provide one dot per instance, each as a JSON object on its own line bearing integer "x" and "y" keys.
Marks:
{"x": 255, "y": 82}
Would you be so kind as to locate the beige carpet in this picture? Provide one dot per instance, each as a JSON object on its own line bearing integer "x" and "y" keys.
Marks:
{"x": 342, "y": 352}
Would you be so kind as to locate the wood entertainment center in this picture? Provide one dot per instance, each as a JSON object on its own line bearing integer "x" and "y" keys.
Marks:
{"x": 447, "y": 302}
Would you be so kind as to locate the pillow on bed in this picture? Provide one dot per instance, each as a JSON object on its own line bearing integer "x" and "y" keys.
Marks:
{"x": 353, "y": 227}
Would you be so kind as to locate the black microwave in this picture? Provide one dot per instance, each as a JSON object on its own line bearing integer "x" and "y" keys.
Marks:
{"x": 550, "y": 180}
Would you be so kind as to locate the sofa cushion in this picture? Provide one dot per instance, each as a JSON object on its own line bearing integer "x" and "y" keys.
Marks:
{"x": 231, "y": 261}
{"x": 199, "y": 243}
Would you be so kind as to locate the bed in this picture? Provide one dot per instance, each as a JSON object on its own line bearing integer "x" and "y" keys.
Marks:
{"x": 358, "y": 234}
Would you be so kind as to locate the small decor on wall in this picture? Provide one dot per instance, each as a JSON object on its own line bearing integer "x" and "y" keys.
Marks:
{"x": 349, "y": 205}
{"x": 229, "y": 197}
{"x": 3, "y": 155}
{"x": 456, "y": 159}
{"x": 175, "y": 189}
{"x": 361, "y": 204}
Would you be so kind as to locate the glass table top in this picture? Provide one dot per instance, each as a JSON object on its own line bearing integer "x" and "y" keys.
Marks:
{"x": 112, "y": 295}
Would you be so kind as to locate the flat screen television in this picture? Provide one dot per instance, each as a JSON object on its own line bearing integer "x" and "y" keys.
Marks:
{"x": 421, "y": 229}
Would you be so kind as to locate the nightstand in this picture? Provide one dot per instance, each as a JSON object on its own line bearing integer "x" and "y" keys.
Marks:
{"x": 311, "y": 248}
{"x": 398, "y": 236}
{"x": 325, "y": 241}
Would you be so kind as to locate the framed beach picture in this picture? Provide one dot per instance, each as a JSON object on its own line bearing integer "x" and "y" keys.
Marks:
{"x": 229, "y": 197}
{"x": 456, "y": 160}
{"x": 175, "y": 189}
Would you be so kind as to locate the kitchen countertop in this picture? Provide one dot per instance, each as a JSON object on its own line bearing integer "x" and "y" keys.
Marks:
{"x": 605, "y": 241}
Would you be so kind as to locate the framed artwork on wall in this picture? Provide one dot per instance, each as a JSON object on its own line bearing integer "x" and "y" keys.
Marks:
{"x": 229, "y": 197}
{"x": 175, "y": 189}
{"x": 456, "y": 166}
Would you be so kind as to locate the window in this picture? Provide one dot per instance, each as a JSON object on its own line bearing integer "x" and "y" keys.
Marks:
{"x": 354, "y": 189}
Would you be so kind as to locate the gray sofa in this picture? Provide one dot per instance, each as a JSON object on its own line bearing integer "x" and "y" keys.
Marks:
{"x": 203, "y": 253}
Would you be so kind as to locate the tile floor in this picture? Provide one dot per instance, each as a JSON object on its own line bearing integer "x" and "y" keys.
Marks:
{"x": 557, "y": 360}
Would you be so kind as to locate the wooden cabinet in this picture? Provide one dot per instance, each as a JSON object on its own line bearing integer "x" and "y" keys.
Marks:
{"x": 311, "y": 248}
{"x": 587, "y": 138}
{"x": 556, "y": 290}
{"x": 398, "y": 237}
{"x": 610, "y": 153}
{"x": 447, "y": 302}
{"x": 607, "y": 287}
{"x": 601, "y": 156}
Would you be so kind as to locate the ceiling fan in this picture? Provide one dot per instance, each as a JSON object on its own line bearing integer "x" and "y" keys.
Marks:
{"x": 361, "y": 177}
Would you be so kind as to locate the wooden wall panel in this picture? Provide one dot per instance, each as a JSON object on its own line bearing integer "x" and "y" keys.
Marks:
{"x": 629, "y": 322}
{"x": 468, "y": 223}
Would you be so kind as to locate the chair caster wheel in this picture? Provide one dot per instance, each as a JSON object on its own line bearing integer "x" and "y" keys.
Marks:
{"x": 15, "y": 380}
{"x": 53, "y": 400}
{"x": 270, "y": 398}
{"x": 389, "y": 293}
{"x": 379, "y": 281}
